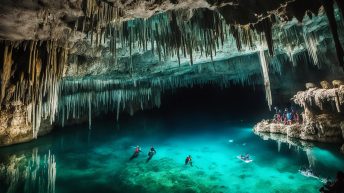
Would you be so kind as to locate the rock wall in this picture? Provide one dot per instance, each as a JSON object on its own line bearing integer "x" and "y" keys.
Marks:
{"x": 14, "y": 126}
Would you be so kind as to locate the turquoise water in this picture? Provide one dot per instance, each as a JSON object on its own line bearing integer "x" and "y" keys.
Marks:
{"x": 97, "y": 160}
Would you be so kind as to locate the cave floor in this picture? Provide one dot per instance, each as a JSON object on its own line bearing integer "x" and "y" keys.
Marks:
{"x": 97, "y": 160}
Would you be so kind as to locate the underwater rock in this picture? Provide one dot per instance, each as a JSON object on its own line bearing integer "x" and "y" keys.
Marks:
{"x": 167, "y": 179}
{"x": 342, "y": 149}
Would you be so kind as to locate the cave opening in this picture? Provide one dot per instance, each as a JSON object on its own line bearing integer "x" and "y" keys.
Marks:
{"x": 171, "y": 96}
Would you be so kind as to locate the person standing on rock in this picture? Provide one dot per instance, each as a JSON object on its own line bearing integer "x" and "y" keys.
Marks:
{"x": 285, "y": 116}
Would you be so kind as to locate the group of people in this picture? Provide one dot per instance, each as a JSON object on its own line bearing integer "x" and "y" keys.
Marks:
{"x": 286, "y": 117}
{"x": 152, "y": 152}
{"x": 138, "y": 150}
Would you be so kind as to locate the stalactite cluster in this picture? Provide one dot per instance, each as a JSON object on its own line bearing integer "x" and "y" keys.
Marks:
{"x": 169, "y": 35}
{"x": 36, "y": 81}
{"x": 261, "y": 34}
{"x": 81, "y": 104}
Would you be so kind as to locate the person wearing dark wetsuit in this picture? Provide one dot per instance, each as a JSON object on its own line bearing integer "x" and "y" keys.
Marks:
{"x": 336, "y": 187}
{"x": 151, "y": 153}
{"x": 136, "y": 152}
{"x": 188, "y": 160}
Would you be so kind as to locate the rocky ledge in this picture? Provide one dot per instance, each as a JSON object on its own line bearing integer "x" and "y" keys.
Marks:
{"x": 326, "y": 129}
{"x": 322, "y": 116}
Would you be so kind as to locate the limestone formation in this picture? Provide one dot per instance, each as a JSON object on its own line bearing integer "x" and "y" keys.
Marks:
{"x": 14, "y": 126}
{"x": 322, "y": 117}
{"x": 325, "y": 84}
{"x": 337, "y": 83}
{"x": 310, "y": 85}
{"x": 69, "y": 59}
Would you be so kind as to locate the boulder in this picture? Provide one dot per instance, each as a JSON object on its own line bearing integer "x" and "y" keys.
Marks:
{"x": 310, "y": 85}
{"x": 325, "y": 84}
{"x": 337, "y": 83}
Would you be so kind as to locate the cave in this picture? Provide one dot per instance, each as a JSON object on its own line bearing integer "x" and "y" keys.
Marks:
{"x": 184, "y": 96}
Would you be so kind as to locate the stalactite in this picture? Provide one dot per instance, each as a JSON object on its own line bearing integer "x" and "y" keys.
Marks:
{"x": 328, "y": 6}
{"x": 36, "y": 88}
{"x": 310, "y": 157}
{"x": 311, "y": 46}
{"x": 6, "y": 71}
{"x": 89, "y": 111}
{"x": 265, "y": 67}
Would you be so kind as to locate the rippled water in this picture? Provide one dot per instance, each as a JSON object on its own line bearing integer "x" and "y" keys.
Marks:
{"x": 77, "y": 159}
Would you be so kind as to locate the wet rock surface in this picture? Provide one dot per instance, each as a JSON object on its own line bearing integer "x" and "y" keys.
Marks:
{"x": 322, "y": 116}
{"x": 14, "y": 126}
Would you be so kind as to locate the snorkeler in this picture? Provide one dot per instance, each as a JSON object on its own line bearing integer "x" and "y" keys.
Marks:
{"x": 188, "y": 160}
{"x": 245, "y": 157}
{"x": 151, "y": 153}
{"x": 136, "y": 152}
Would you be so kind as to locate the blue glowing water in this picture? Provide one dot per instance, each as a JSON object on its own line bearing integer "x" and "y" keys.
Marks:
{"x": 97, "y": 160}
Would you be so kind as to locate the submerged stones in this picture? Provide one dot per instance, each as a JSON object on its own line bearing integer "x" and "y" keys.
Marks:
{"x": 169, "y": 177}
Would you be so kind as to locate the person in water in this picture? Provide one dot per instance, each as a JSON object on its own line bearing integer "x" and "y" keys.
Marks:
{"x": 136, "y": 152}
{"x": 151, "y": 153}
{"x": 245, "y": 157}
{"x": 188, "y": 160}
{"x": 336, "y": 187}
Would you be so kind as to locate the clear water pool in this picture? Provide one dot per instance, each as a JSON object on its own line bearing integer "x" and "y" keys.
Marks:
{"x": 77, "y": 159}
